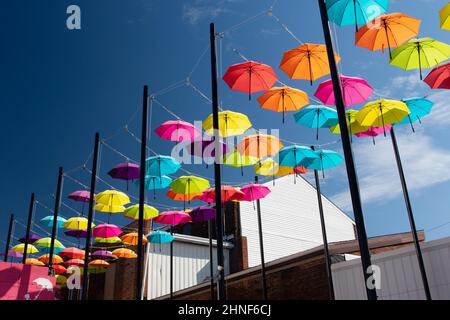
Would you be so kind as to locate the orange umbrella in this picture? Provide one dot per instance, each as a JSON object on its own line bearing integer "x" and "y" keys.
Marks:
{"x": 282, "y": 99}
{"x": 387, "y": 31}
{"x": 46, "y": 258}
{"x": 34, "y": 262}
{"x": 308, "y": 62}
{"x": 228, "y": 193}
{"x": 259, "y": 145}
{"x": 124, "y": 253}
{"x": 132, "y": 239}
{"x": 183, "y": 197}
{"x": 98, "y": 263}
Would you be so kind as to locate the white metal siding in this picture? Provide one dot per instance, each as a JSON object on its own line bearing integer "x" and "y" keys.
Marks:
{"x": 291, "y": 222}
{"x": 400, "y": 275}
{"x": 190, "y": 265}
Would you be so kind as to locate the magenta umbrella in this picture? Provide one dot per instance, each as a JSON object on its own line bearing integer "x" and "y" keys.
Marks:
{"x": 106, "y": 231}
{"x": 374, "y": 131}
{"x": 202, "y": 214}
{"x": 205, "y": 148}
{"x": 354, "y": 90}
{"x": 80, "y": 196}
{"x": 173, "y": 218}
{"x": 12, "y": 254}
{"x": 254, "y": 192}
{"x": 177, "y": 130}
{"x": 102, "y": 254}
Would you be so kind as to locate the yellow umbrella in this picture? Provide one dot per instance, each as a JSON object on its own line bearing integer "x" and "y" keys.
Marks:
{"x": 382, "y": 112}
{"x": 352, "y": 124}
{"x": 98, "y": 263}
{"x": 111, "y": 201}
{"x": 21, "y": 248}
{"x": 46, "y": 242}
{"x": 34, "y": 262}
{"x": 77, "y": 223}
{"x": 124, "y": 253}
{"x": 45, "y": 258}
{"x": 230, "y": 124}
{"x": 109, "y": 209}
{"x": 267, "y": 167}
{"x": 132, "y": 239}
{"x": 61, "y": 280}
{"x": 445, "y": 17}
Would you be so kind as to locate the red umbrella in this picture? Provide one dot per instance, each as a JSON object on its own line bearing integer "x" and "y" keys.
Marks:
{"x": 228, "y": 193}
{"x": 439, "y": 78}
{"x": 59, "y": 269}
{"x": 74, "y": 262}
{"x": 250, "y": 77}
{"x": 72, "y": 253}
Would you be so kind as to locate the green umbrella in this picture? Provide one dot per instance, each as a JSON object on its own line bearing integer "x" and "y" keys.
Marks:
{"x": 420, "y": 53}
{"x": 189, "y": 185}
{"x": 46, "y": 242}
{"x": 237, "y": 160}
{"x": 132, "y": 212}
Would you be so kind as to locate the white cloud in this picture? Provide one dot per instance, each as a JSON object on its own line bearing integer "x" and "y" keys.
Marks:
{"x": 409, "y": 85}
{"x": 200, "y": 9}
{"x": 441, "y": 109}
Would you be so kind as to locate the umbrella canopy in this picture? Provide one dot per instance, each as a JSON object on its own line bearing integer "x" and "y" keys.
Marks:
{"x": 46, "y": 242}
{"x": 124, "y": 253}
{"x": 316, "y": 116}
{"x": 259, "y": 145}
{"x": 177, "y": 130}
{"x": 77, "y": 223}
{"x": 160, "y": 237}
{"x": 205, "y": 148}
{"x": 444, "y": 15}
{"x": 173, "y": 218}
{"x": 45, "y": 258}
{"x": 34, "y": 262}
{"x": 125, "y": 171}
{"x": 156, "y": 182}
{"x": 355, "y": 12}
{"x": 382, "y": 112}
{"x": 325, "y": 159}
{"x": 48, "y": 221}
{"x": 230, "y": 124}
{"x": 418, "y": 107}
{"x": 420, "y": 53}
{"x": 161, "y": 166}
{"x": 59, "y": 269}
{"x": 72, "y": 253}
{"x": 112, "y": 198}
{"x": 228, "y": 193}
{"x": 189, "y": 185}
{"x": 74, "y": 262}
{"x": 392, "y": 30}
{"x": 112, "y": 240}
{"x": 250, "y": 77}
{"x": 374, "y": 131}
{"x": 236, "y": 159}
{"x": 132, "y": 239}
{"x": 98, "y": 263}
{"x": 80, "y": 196}
{"x": 102, "y": 254}
{"x": 202, "y": 214}
{"x": 439, "y": 77}
{"x": 354, "y": 90}
{"x": 254, "y": 192}
{"x": 282, "y": 99}
{"x": 294, "y": 156}
{"x": 353, "y": 125}
{"x": 32, "y": 238}
{"x": 56, "y": 250}
{"x": 183, "y": 197}
{"x": 21, "y": 248}
{"x": 12, "y": 254}
{"x": 267, "y": 167}
{"x": 106, "y": 231}
{"x": 60, "y": 279}
{"x": 76, "y": 233}
{"x": 132, "y": 212}
{"x": 308, "y": 62}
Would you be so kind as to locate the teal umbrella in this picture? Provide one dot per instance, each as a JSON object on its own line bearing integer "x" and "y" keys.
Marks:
{"x": 56, "y": 250}
{"x": 325, "y": 159}
{"x": 419, "y": 108}
{"x": 317, "y": 116}
{"x": 160, "y": 237}
{"x": 161, "y": 166}
{"x": 48, "y": 221}
{"x": 156, "y": 183}
{"x": 355, "y": 12}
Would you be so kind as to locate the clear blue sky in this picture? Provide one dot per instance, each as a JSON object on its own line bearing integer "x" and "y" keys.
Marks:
{"x": 58, "y": 87}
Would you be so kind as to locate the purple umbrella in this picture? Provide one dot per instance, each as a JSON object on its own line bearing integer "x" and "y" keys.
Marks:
{"x": 12, "y": 254}
{"x": 205, "y": 148}
{"x": 125, "y": 171}
{"x": 80, "y": 196}
{"x": 33, "y": 237}
{"x": 202, "y": 214}
{"x": 76, "y": 233}
{"x": 102, "y": 254}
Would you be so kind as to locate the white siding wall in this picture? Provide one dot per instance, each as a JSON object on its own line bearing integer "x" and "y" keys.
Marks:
{"x": 400, "y": 275}
{"x": 190, "y": 264}
{"x": 291, "y": 222}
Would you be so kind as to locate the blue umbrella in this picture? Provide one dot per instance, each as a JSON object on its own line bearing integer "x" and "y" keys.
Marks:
{"x": 294, "y": 156}
{"x": 56, "y": 250}
{"x": 325, "y": 159}
{"x": 355, "y": 12}
{"x": 48, "y": 221}
{"x": 419, "y": 108}
{"x": 317, "y": 116}
{"x": 156, "y": 183}
{"x": 161, "y": 166}
{"x": 160, "y": 237}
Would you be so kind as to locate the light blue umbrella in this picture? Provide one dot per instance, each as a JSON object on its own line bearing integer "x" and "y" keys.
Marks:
{"x": 161, "y": 166}
{"x": 419, "y": 108}
{"x": 294, "y": 156}
{"x": 160, "y": 237}
{"x": 325, "y": 159}
{"x": 355, "y": 12}
{"x": 56, "y": 250}
{"x": 48, "y": 221}
{"x": 317, "y": 116}
{"x": 155, "y": 183}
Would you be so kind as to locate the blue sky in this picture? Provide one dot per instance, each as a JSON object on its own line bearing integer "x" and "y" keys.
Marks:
{"x": 58, "y": 87}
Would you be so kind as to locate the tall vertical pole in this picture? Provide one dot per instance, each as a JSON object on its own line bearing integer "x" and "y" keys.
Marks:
{"x": 84, "y": 293}
{"x": 59, "y": 187}
{"x": 30, "y": 219}
{"x": 348, "y": 153}
{"x": 8, "y": 239}
{"x": 144, "y": 136}
{"x": 261, "y": 247}
{"x": 211, "y": 260}
{"x": 410, "y": 215}
{"x": 221, "y": 290}
{"x": 171, "y": 265}
{"x": 324, "y": 235}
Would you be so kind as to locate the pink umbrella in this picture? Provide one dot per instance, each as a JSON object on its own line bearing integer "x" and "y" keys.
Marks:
{"x": 173, "y": 218}
{"x": 106, "y": 231}
{"x": 374, "y": 131}
{"x": 355, "y": 90}
{"x": 80, "y": 196}
{"x": 177, "y": 130}
{"x": 254, "y": 192}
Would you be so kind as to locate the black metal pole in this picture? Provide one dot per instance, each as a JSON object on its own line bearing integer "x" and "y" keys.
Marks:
{"x": 221, "y": 291}
{"x": 84, "y": 293}
{"x": 171, "y": 267}
{"x": 59, "y": 187}
{"x": 261, "y": 247}
{"x": 348, "y": 153}
{"x": 324, "y": 235}
{"x": 410, "y": 215}
{"x": 211, "y": 260}
{"x": 8, "y": 239}
{"x": 30, "y": 219}
{"x": 144, "y": 136}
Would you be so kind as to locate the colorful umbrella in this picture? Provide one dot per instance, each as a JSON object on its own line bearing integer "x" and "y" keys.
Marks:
{"x": 76, "y": 233}
{"x": 420, "y": 53}
{"x": 77, "y": 223}
{"x": 177, "y": 130}
{"x": 282, "y": 99}
{"x": 352, "y": 124}
{"x": 267, "y": 167}
{"x": 106, "y": 231}
{"x": 205, "y": 148}
{"x": 103, "y": 255}
{"x": 259, "y": 145}
{"x": 56, "y": 250}
{"x": 250, "y": 77}
{"x": 125, "y": 171}
{"x": 189, "y": 185}
{"x": 236, "y": 159}
{"x": 444, "y": 15}
{"x": 132, "y": 239}
{"x": 32, "y": 238}
{"x": 72, "y": 253}
{"x": 325, "y": 159}
{"x": 355, "y": 12}
{"x": 48, "y": 221}
{"x": 80, "y": 196}
{"x": 156, "y": 183}
{"x": 13, "y": 254}
{"x": 74, "y": 262}
{"x": 316, "y": 116}
{"x": 112, "y": 240}
{"x": 183, "y": 197}
{"x": 34, "y": 262}
{"x": 132, "y": 212}
{"x": 46, "y": 242}
{"x": 112, "y": 198}
{"x": 254, "y": 192}
{"x": 308, "y": 62}
{"x": 354, "y": 90}
{"x": 294, "y": 156}
{"x": 161, "y": 165}
{"x": 173, "y": 218}
{"x": 202, "y": 214}
{"x": 160, "y": 237}
{"x": 439, "y": 77}
{"x": 124, "y": 253}
{"x": 98, "y": 263}
{"x": 45, "y": 258}
{"x": 230, "y": 124}
{"x": 61, "y": 281}
{"x": 59, "y": 269}
{"x": 228, "y": 193}
{"x": 374, "y": 131}
{"x": 418, "y": 107}
{"x": 387, "y": 31}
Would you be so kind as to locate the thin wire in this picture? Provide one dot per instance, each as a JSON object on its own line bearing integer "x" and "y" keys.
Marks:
{"x": 118, "y": 152}
{"x": 285, "y": 27}
{"x": 76, "y": 180}
{"x": 199, "y": 60}
{"x": 197, "y": 90}
{"x": 245, "y": 21}
{"x": 166, "y": 108}
{"x": 169, "y": 88}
